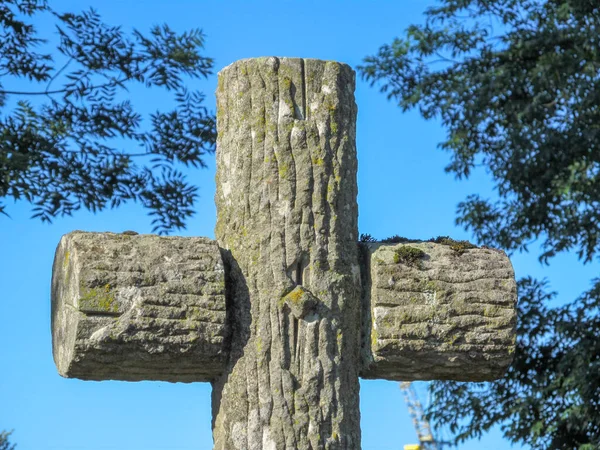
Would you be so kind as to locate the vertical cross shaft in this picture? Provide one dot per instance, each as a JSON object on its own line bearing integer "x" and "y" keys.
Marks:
{"x": 287, "y": 213}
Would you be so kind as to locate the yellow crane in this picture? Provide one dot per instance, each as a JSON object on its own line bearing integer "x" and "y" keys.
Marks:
{"x": 426, "y": 440}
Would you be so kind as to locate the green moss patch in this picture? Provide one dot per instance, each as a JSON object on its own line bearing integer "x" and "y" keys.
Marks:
{"x": 100, "y": 299}
{"x": 395, "y": 239}
{"x": 411, "y": 256}
{"x": 458, "y": 247}
{"x": 300, "y": 301}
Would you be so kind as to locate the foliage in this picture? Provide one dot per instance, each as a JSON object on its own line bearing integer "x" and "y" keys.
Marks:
{"x": 395, "y": 239}
{"x": 516, "y": 85}
{"x": 69, "y": 140}
{"x": 523, "y": 103}
{"x": 366, "y": 238}
{"x": 4, "y": 442}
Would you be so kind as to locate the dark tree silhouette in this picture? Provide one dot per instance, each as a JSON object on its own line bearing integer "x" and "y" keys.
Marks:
{"x": 516, "y": 84}
{"x": 74, "y": 140}
{"x": 4, "y": 442}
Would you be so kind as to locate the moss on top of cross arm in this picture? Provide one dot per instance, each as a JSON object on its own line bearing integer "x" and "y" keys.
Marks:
{"x": 411, "y": 256}
{"x": 458, "y": 247}
{"x": 395, "y": 239}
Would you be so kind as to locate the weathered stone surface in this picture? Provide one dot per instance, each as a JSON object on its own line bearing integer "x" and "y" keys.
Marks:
{"x": 444, "y": 314}
{"x": 138, "y": 307}
{"x": 286, "y": 201}
{"x": 305, "y": 314}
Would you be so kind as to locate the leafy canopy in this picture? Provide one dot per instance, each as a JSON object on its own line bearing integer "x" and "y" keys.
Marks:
{"x": 71, "y": 139}
{"x": 516, "y": 84}
{"x": 4, "y": 442}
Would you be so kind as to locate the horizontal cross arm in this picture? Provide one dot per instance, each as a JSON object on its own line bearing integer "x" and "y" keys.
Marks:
{"x": 138, "y": 307}
{"x": 437, "y": 311}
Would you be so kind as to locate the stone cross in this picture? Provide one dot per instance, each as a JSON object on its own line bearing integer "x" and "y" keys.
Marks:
{"x": 286, "y": 309}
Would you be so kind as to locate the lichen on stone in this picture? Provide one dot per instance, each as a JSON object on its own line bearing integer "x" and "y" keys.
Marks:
{"x": 99, "y": 299}
{"x": 300, "y": 301}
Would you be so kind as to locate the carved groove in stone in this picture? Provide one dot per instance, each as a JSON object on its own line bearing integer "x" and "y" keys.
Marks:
{"x": 286, "y": 202}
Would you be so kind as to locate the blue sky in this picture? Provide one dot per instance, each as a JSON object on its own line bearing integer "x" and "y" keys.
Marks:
{"x": 402, "y": 190}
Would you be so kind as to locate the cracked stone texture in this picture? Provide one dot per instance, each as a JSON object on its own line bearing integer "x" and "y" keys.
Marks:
{"x": 138, "y": 307}
{"x": 445, "y": 316}
{"x": 287, "y": 213}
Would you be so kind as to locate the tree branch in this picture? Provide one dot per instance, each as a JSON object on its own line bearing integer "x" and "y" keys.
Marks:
{"x": 58, "y": 73}
{"x": 62, "y": 91}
